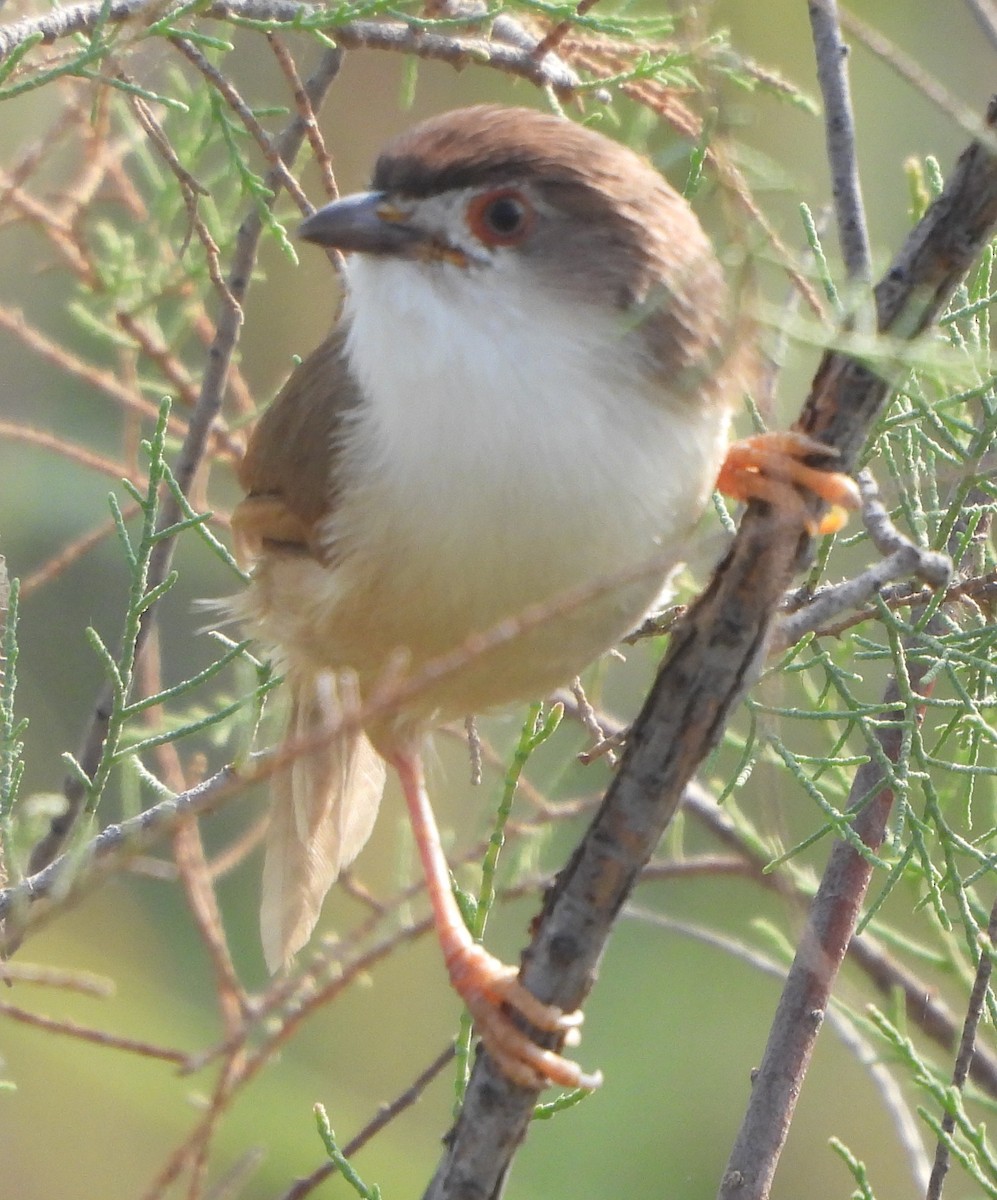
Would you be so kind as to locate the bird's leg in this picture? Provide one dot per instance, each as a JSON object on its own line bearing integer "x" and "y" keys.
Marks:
{"x": 483, "y": 982}
{"x": 770, "y": 467}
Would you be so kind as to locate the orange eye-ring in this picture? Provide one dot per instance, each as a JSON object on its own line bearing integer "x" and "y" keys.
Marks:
{"x": 502, "y": 217}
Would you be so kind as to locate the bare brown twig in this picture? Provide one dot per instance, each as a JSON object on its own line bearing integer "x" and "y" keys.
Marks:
{"x": 967, "y": 1050}
{"x": 190, "y": 189}
{"x": 910, "y": 70}
{"x": 97, "y": 1036}
{"x": 100, "y": 380}
{"x": 839, "y": 127}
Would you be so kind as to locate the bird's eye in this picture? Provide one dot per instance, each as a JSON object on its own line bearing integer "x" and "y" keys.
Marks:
{"x": 500, "y": 218}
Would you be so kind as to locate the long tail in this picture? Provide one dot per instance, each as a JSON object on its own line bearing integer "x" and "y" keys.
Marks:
{"x": 323, "y": 807}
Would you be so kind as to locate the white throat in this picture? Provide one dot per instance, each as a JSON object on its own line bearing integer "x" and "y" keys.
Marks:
{"x": 512, "y": 438}
{"x": 477, "y": 357}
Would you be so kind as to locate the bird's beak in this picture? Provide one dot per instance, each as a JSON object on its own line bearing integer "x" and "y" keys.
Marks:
{"x": 369, "y": 222}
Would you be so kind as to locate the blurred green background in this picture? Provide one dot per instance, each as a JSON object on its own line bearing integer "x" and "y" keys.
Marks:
{"x": 675, "y": 1025}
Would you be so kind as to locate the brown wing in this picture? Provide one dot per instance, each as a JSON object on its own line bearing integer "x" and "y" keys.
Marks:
{"x": 289, "y": 471}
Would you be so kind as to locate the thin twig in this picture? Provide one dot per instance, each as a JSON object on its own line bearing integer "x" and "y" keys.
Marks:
{"x": 98, "y": 1036}
{"x": 986, "y": 16}
{"x": 51, "y": 223}
{"x": 978, "y": 591}
{"x": 601, "y": 745}
{"x": 394, "y": 36}
{"x": 556, "y": 34}
{"x": 57, "y": 977}
{"x": 195, "y": 876}
{"x": 902, "y": 559}
{"x": 296, "y": 1000}
{"x": 839, "y": 130}
{"x": 99, "y": 379}
{"x": 892, "y": 1094}
{"x": 278, "y": 168}
{"x": 924, "y": 1007}
{"x": 72, "y": 451}
{"x": 967, "y": 1049}
{"x": 173, "y": 371}
{"x": 190, "y": 190}
{"x": 305, "y": 111}
{"x": 125, "y": 839}
{"x": 912, "y": 71}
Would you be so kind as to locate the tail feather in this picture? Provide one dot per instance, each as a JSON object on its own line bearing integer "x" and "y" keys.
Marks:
{"x": 323, "y": 806}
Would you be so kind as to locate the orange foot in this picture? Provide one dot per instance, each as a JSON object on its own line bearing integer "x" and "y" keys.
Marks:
{"x": 770, "y": 467}
{"x": 486, "y": 985}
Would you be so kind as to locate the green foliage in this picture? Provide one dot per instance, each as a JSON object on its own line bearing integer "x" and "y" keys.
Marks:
{"x": 128, "y": 733}
{"x": 863, "y": 1190}
{"x": 968, "y": 1142}
{"x": 823, "y": 269}
{"x": 336, "y": 1155}
{"x": 119, "y": 669}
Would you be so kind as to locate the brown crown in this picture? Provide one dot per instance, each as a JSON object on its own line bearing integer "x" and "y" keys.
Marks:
{"x": 627, "y": 236}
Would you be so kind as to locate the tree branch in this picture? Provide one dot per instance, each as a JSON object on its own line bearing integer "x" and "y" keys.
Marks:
{"x": 839, "y": 127}
{"x": 515, "y": 58}
{"x": 967, "y": 1050}
{"x": 833, "y": 918}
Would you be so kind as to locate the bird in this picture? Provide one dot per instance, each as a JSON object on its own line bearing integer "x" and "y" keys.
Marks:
{"x": 524, "y": 405}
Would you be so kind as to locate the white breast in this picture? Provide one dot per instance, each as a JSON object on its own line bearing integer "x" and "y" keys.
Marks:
{"x": 496, "y": 414}
{"x": 512, "y": 449}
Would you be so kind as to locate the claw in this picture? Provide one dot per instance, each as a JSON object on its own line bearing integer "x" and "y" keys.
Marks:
{"x": 487, "y": 986}
{"x": 770, "y": 467}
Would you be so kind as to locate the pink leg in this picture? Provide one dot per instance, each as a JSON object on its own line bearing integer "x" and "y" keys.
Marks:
{"x": 483, "y": 982}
